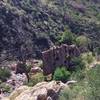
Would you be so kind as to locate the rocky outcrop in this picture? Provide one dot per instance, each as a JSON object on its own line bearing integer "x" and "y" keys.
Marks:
{"x": 41, "y": 91}
{"x": 59, "y": 56}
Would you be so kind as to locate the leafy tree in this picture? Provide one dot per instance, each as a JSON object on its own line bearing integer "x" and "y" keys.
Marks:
{"x": 61, "y": 74}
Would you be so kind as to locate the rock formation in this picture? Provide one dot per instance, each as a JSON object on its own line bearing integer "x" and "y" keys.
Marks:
{"x": 41, "y": 91}
{"x": 58, "y": 56}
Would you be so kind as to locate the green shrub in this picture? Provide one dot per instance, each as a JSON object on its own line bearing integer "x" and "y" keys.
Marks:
{"x": 4, "y": 74}
{"x": 65, "y": 94}
{"x": 87, "y": 57}
{"x": 67, "y": 37}
{"x": 34, "y": 79}
{"x": 97, "y": 50}
{"x": 78, "y": 62}
{"x": 87, "y": 89}
{"x": 78, "y": 75}
{"x": 93, "y": 76}
{"x": 61, "y": 74}
{"x": 76, "y": 93}
{"x": 82, "y": 41}
{"x": 28, "y": 68}
{"x": 5, "y": 87}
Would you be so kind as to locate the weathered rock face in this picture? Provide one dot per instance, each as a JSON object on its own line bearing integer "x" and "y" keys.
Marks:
{"x": 41, "y": 91}
{"x": 58, "y": 56}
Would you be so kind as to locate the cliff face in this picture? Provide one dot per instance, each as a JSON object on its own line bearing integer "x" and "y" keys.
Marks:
{"x": 30, "y": 26}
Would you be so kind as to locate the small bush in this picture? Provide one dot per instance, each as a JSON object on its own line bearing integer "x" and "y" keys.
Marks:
{"x": 4, "y": 74}
{"x": 93, "y": 77}
{"x": 65, "y": 94}
{"x": 35, "y": 79}
{"x": 28, "y": 68}
{"x": 78, "y": 75}
{"x": 61, "y": 74}
{"x": 87, "y": 57}
{"x": 67, "y": 37}
{"x": 97, "y": 50}
{"x": 78, "y": 63}
{"x": 82, "y": 41}
{"x": 75, "y": 93}
{"x": 5, "y": 87}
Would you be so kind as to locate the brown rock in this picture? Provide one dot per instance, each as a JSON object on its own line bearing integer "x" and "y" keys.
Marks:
{"x": 58, "y": 56}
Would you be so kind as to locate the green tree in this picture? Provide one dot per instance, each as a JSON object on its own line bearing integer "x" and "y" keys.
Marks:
{"x": 61, "y": 74}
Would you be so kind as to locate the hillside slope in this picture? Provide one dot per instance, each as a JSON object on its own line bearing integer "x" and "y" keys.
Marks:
{"x": 29, "y": 26}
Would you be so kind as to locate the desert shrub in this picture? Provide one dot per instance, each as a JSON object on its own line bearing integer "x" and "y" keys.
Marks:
{"x": 61, "y": 74}
{"x": 97, "y": 50}
{"x": 82, "y": 41}
{"x": 78, "y": 75}
{"x": 98, "y": 16}
{"x": 87, "y": 87}
{"x": 79, "y": 72}
{"x": 67, "y": 37}
{"x": 4, "y": 74}
{"x": 65, "y": 94}
{"x": 93, "y": 77}
{"x": 78, "y": 63}
{"x": 5, "y": 87}
{"x": 87, "y": 57}
{"x": 34, "y": 79}
{"x": 28, "y": 68}
{"x": 76, "y": 93}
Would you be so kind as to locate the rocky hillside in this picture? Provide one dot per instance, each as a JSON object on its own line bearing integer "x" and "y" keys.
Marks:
{"x": 28, "y": 27}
